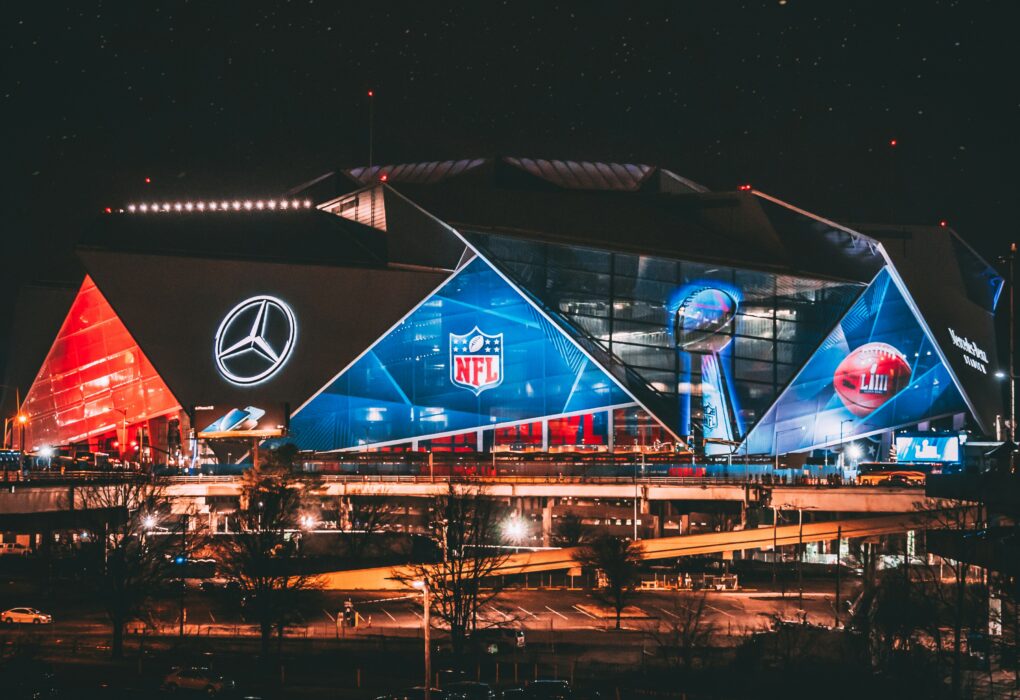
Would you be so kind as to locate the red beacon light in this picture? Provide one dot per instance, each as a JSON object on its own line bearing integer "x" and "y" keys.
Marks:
{"x": 943, "y": 223}
{"x": 893, "y": 143}
{"x": 108, "y": 210}
{"x": 148, "y": 181}
{"x": 371, "y": 93}
{"x": 384, "y": 177}
{"x": 744, "y": 188}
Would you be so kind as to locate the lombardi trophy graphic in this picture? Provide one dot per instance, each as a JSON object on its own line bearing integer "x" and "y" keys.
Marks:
{"x": 702, "y": 328}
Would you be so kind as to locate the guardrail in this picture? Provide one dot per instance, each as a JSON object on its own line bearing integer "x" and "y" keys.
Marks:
{"x": 702, "y": 481}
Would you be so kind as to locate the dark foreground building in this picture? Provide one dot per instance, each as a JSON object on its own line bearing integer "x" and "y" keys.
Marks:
{"x": 514, "y": 304}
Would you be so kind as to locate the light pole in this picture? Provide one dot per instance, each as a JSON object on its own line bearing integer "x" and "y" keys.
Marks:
{"x": 842, "y": 447}
{"x": 1012, "y": 353}
{"x": 839, "y": 543}
{"x": 775, "y": 548}
{"x": 427, "y": 622}
{"x": 637, "y": 492}
{"x": 800, "y": 557}
{"x": 1012, "y": 357}
{"x": 22, "y": 421}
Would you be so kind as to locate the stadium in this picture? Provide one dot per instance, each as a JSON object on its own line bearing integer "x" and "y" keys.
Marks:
{"x": 510, "y": 306}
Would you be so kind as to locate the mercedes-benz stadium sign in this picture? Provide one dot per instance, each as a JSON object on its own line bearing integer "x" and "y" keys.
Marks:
{"x": 255, "y": 340}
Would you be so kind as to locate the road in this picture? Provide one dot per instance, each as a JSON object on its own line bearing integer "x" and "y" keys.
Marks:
{"x": 544, "y": 611}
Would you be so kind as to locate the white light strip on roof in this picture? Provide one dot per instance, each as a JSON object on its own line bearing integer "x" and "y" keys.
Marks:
{"x": 217, "y": 205}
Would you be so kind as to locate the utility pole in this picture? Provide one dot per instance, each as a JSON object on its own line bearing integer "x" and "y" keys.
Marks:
{"x": 775, "y": 549}
{"x": 800, "y": 557}
{"x": 1012, "y": 356}
{"x": 839, "y": 543}
{"x": 427, "y": 622}
{"x": 184, "y": 563}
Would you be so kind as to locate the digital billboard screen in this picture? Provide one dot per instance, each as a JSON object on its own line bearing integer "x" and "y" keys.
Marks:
{"x": 927, "y": 447}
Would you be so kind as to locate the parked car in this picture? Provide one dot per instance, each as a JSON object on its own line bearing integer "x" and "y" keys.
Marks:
{"x": 25, "y": 616}
{"x": 18, "y": 550}
{"x": 469, "y": 690}
{"x": 200, "y": 678}
{"x": 497, "y": 640}
{"x": 417, "y": 693}
{"x": 546, "y": 689}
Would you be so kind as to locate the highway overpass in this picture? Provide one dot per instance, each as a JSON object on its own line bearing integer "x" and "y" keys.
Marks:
{"x": 387, "y": 578}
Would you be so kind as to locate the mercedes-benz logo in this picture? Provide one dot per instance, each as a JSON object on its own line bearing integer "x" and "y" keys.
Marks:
{"x": 255, "y": 339}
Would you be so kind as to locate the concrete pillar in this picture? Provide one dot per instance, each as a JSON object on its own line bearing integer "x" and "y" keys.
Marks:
{"x": 611, "y": 431}
{"x": 547, "y": 522}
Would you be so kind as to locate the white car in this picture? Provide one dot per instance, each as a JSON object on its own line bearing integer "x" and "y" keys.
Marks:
{"x": 197, "y": 678}
{"x": 25, "y": 616}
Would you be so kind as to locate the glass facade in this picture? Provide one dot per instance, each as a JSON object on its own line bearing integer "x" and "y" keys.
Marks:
{"x": 94, "y": 379}
{"x": 876, "y": 371}
{"x": 475, "y": 354}
{"x": 706, "y": 347}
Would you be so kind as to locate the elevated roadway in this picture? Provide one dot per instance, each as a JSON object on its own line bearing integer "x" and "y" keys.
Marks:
{"x": 387, "y": 578}
{"x": 838, "y": 499}
{"x": 41, "y": 496}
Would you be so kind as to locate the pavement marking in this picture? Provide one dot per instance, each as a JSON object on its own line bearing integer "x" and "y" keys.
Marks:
{"x": 671, "y": 614}
{"x": 388, "y": 614}
{"x": 528, "y": 612}
{"x": 583, "y": 612}
{"x": 554, "y": 612}
{"x": 719, "y": 610}
{"x": 331, "y": 618}
{"x": 497, "y": 610}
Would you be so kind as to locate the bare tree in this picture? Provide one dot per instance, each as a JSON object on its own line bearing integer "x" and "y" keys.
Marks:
{"x": 952, "y": 524}
{"x": 361, "y": 517}
{"x": 264, "y": 558}
{"x": 618, "y": 560}
{"x": 129, "y": 561}
{"x": 686, "y": 629}
{"x": 569, "y": 530}
{"x": 466, "y": 530}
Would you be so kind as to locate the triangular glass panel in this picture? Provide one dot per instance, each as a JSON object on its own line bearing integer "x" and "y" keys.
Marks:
{"x": 878, "y": 370}
{"x": 475, "y": 354}
{"x": 95, "y": 377}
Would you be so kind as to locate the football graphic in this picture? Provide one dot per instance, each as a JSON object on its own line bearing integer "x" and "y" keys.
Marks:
{"x": 476, "y": 343}
{"x": 702, "y": 323}
{"x": 869, "y": 376}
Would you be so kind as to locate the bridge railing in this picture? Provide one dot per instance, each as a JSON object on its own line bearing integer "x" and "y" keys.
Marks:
{"x": 701, "y": 481}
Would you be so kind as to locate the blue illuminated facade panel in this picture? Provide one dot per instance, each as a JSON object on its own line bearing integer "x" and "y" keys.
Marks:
{"x": 707, "y": 348}
{"x": 474, "y": 355}
{"x": 876, "y": 371}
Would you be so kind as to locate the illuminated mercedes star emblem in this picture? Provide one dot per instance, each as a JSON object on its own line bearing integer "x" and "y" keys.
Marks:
{"x": 254, "y": 340}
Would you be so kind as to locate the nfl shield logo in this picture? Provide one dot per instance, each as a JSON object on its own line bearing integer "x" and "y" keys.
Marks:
{"x": 476, "y": 360}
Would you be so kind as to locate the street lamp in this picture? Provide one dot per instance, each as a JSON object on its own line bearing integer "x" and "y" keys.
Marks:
{"x": 423, "y": 586}
{"x": 1011, "y": 259}
{"x": 842, "y": 460}
{"x": 854, "y": 451}
{"x": 514, "y": 529}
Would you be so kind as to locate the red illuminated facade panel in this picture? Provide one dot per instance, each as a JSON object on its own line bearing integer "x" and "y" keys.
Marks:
{"x": 95, "y": 379}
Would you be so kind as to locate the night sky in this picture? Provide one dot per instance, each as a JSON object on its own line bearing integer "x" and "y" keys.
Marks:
{"x": 801, "y": 99}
